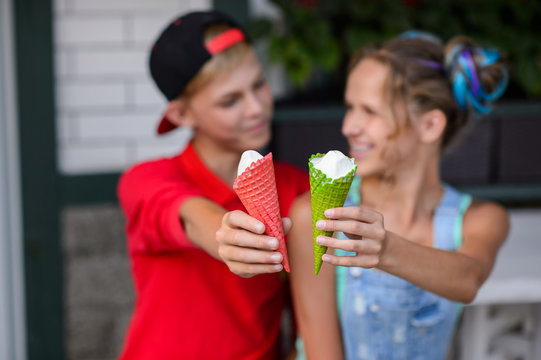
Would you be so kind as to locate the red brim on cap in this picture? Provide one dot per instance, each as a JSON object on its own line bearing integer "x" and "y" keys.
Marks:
{"x": 165, "y": 126}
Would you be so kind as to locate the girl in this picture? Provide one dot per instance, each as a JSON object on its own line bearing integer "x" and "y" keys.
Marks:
{"x": 188, "y": 304}
{"x": 410, "y": 248}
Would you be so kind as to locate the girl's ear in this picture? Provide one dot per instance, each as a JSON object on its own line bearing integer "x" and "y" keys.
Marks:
{"x": 431, "y": 126}
{"x": 178, "y": 113}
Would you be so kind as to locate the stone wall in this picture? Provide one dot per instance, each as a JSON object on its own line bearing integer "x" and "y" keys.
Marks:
{"x": 98, "y": 287}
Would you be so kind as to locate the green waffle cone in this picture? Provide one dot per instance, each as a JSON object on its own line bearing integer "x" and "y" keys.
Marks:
{"x": 325, "y": 194}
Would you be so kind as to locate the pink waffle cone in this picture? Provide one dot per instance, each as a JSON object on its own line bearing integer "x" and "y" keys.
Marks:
{"x": 256, "y": 188}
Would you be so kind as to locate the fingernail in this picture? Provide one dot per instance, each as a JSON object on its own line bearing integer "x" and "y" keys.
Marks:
{"x": 325, "y": 258}
{"x": 320, "y": 225}
{"x": 329, "y": 213}
{"x": 278, "y": 267}
{"x": 320, "y": 240}
{"x": 260, "y": 228}
{"x": 277, "y": 257}
{"x": 273, "y": 243}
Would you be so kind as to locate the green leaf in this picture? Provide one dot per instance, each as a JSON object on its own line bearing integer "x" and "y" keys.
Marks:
{"x": 529, "y": 74}
{"x": 323, "y": 35}
{"x": 259, "y": 28}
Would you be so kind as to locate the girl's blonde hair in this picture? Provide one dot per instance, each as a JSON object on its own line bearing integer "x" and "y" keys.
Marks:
{"x": 222, "y": 62}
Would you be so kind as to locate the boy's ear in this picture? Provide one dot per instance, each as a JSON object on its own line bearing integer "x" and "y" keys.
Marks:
{"x": 431, "y": 125}
{"x": 177, "y": 113}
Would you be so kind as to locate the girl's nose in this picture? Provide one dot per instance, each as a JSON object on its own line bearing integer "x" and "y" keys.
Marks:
{"x": 352, "y": 124}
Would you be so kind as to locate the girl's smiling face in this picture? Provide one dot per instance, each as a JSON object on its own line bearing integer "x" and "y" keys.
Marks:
{"x": 377, "y": 140}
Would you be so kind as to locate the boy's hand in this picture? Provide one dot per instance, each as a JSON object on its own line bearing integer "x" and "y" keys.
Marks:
{"x": 244, "y": 248}
{"x": 365, "y": 230}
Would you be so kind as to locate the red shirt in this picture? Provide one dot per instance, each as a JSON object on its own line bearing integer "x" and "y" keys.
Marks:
{"x": 188, "y": 304}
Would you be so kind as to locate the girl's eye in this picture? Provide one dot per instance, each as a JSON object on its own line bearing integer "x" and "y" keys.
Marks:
{"x": 228, "y": 102}
{"x": 369, "y": 111}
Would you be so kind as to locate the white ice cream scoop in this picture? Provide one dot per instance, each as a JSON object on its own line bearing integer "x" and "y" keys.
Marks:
{"x": 334, "y": 164}
{"x": 248, "y": 157}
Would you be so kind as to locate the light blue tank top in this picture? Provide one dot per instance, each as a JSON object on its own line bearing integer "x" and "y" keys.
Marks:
{"x": 384, "y": 317}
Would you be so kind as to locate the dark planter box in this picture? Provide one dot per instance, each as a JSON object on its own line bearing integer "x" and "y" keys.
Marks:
{"x": 500, "y": 151}
{"x": 520, "y": 149}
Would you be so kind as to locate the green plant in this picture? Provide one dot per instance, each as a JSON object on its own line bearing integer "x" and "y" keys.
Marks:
{"x": 322, "y": 34}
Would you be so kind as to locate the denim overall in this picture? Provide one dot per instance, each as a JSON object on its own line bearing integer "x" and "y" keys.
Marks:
{"x": 384, "y": 317}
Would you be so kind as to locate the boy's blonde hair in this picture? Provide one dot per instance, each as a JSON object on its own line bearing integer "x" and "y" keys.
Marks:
{"x": 222, "y": 62}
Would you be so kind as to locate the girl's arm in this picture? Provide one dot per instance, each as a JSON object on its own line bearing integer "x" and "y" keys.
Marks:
{"x": 453, "y": 275}
{"x": 314, "y": 297}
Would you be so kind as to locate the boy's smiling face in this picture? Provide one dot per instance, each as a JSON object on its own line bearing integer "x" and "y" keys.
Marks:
{"x": 234, "y": 110}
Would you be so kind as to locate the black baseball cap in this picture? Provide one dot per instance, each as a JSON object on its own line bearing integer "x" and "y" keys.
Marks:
{"x": 180, "y": 52}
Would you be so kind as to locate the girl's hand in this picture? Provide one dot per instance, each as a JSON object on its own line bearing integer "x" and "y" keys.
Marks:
{"x": 365, "y": 230}
{"x": 244, "y": 248}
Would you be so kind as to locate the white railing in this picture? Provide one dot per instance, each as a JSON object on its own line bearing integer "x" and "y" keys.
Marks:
{"x": 504, "y": 321}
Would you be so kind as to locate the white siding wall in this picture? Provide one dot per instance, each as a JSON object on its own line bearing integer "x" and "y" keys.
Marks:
{"x": 107, "y": 105}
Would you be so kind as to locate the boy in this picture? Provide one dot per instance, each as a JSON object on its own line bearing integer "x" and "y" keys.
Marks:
{"x": 189, "y": 304}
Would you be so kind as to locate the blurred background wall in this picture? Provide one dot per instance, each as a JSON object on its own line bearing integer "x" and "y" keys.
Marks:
{"x": 107, "y": 109}
{"x": 107, "y": 106}
{"x": 86, "y": 110}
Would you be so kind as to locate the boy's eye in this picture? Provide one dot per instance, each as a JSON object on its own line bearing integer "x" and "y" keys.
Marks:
{"x": 260, "y": 83}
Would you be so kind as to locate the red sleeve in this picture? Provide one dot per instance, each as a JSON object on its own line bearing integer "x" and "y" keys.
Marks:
{"x": 150, "y": 196}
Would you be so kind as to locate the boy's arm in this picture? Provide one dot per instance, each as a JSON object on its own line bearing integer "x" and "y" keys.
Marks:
{"x": 200, "y": 218}
{"x": 314, "y": 297}
{"x": 165, "y": 212}
{"x": 151, "y": 198}
{"x": 220, "y": 233}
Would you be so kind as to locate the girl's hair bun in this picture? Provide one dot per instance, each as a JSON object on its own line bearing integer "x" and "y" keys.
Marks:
{"x": 477, "y": 75}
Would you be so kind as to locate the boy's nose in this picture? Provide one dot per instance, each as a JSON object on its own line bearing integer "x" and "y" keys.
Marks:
{"x": 254, "y": 105}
